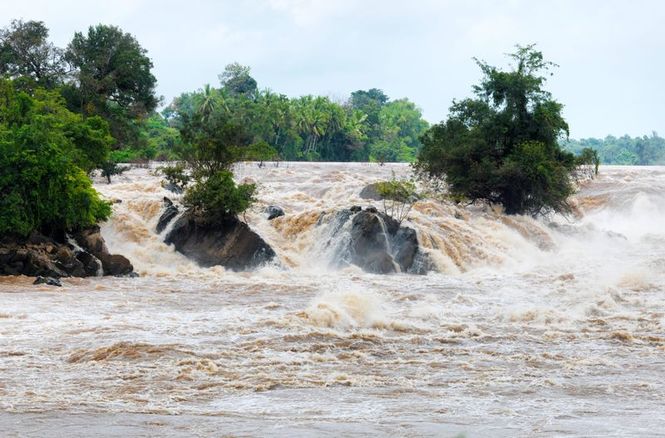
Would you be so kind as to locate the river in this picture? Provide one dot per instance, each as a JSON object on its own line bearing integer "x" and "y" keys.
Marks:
{"x": 543, "y": 328}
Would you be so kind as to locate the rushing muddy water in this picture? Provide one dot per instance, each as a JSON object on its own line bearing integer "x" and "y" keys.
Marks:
{"x": 530, "y": 328}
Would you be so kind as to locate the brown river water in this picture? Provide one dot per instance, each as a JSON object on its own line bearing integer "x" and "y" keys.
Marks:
{"x": 544, "y": 328}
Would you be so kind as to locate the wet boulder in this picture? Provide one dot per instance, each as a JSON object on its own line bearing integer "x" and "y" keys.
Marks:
{"x": 273, "y": 211}
{"x": 91, "y": 241}
{"x": 116, "y": 265}
{"x": 83, "y": 255}
{"x": 369, "y": 245}
{"x": 375, "y": 242}
{"x": 170, "y": 212}
{"x": 227, "y": 242}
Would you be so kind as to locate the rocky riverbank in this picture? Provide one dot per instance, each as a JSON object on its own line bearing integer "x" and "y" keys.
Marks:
{"x": 81, "y": 254}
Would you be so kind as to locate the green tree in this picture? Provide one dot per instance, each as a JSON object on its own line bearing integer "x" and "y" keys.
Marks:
{"x": 42, "y": 186}
{"x": 26, "y": 52}
{"x": 113, "y": 80}
{"x": 216, "y": 196}
{"x": 236, "y": 79}
{"x": 502, "y": 146}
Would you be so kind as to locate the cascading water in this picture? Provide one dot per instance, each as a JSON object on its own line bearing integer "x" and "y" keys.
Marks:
{"x": 526, "y": 327}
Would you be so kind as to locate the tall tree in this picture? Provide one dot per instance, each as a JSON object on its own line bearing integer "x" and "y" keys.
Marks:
{"x": 25, "y": 51}
{"x": 113, "y": 79}
{"x": 236, "y": 79}
{"x": 502, "y": 146}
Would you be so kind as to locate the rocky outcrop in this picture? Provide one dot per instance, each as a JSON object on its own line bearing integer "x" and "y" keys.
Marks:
{"x": 375, "y": 242}
{"x": 228, "y": 242}
{"x": 83, "y": 254}
{"x": 91, "y": 241}
{"x": 273, "y": 211}
{"x": 170, "y": 212}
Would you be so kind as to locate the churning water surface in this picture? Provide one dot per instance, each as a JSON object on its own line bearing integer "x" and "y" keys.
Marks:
{"x": 548, "y": 327}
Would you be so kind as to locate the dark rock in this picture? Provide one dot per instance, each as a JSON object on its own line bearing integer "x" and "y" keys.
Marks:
{"x": 173, "y": 188}
{"x": 370, "y": 248}
{"x": 50, "y": 281}
{"x": 229, "y": 243}
{"x": 91, "y": 240}
{"x": 355, "y": 208}
{"x": 92, "y": 266}
{"x": 170, "y": 212}
{"x": 376, "y": 242}
{"x": 370, "y": 192}
{"x": 371, "y": 210}
{"x": 37, "y": 262}
{"x": 405, "y": 245}
{"x": 274, "y": 211}
{"x": 116, "y": 264}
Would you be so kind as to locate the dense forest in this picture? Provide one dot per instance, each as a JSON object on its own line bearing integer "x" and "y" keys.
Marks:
{"x": 626, "y": 150}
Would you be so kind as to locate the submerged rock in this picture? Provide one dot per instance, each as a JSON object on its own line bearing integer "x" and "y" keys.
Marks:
{"x": 50, "y": 281}
{"x": 229, "y": 243}
{"x": 375, "y": 242}
{"x": 274, "y": 211}
{"x": 170, "y": 212}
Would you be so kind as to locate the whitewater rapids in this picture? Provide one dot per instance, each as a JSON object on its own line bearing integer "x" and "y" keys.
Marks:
{"x": 530, "y": 327}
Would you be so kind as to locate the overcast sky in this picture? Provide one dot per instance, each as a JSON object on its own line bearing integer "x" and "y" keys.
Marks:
{"x": 610, "y": 53}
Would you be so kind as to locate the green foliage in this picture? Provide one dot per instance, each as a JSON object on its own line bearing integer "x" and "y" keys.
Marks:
{"x": 398, "y": 197}
{"x": 42, "y": 186}
{"x": 502, "y": 146}
{"x": 217, "y": 196}
{"x": 113, "y": 80}
{"x": 176, "y": 175}
{"x": 110, "y": 168}
{"x": 25, "y": 52}
{"x": 213, "y": 141}
{"x": 368, "y": 127}
{"x": 587, "y": 163}
{"x": 626, "y": 150}
{"x": 400, "y": 127}
{"x": 260, "y": 151}
{"x": 237, "y": 80}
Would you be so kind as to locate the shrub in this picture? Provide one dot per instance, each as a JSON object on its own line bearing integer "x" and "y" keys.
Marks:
{"x": 176, "y": 175}
{"x": 398, "y": 197}
{"x": 217, "y": 197}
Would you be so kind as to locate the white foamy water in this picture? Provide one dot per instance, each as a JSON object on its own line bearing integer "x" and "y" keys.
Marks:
{"x": 528, "y": 329}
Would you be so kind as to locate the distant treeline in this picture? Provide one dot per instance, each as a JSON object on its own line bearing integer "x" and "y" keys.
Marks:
{"x": 626, "y": 150}
{"x": 368, "y": 126}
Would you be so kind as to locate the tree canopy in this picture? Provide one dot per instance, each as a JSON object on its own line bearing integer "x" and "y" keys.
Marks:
{"x": 26, "y": 52}
{"x": 625, "y": 150}
{"x": 369, "y": 126}
{"x": 45, "y": 151}
{"x": 502, "y": 145}
{"x": 113, "y": 79}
